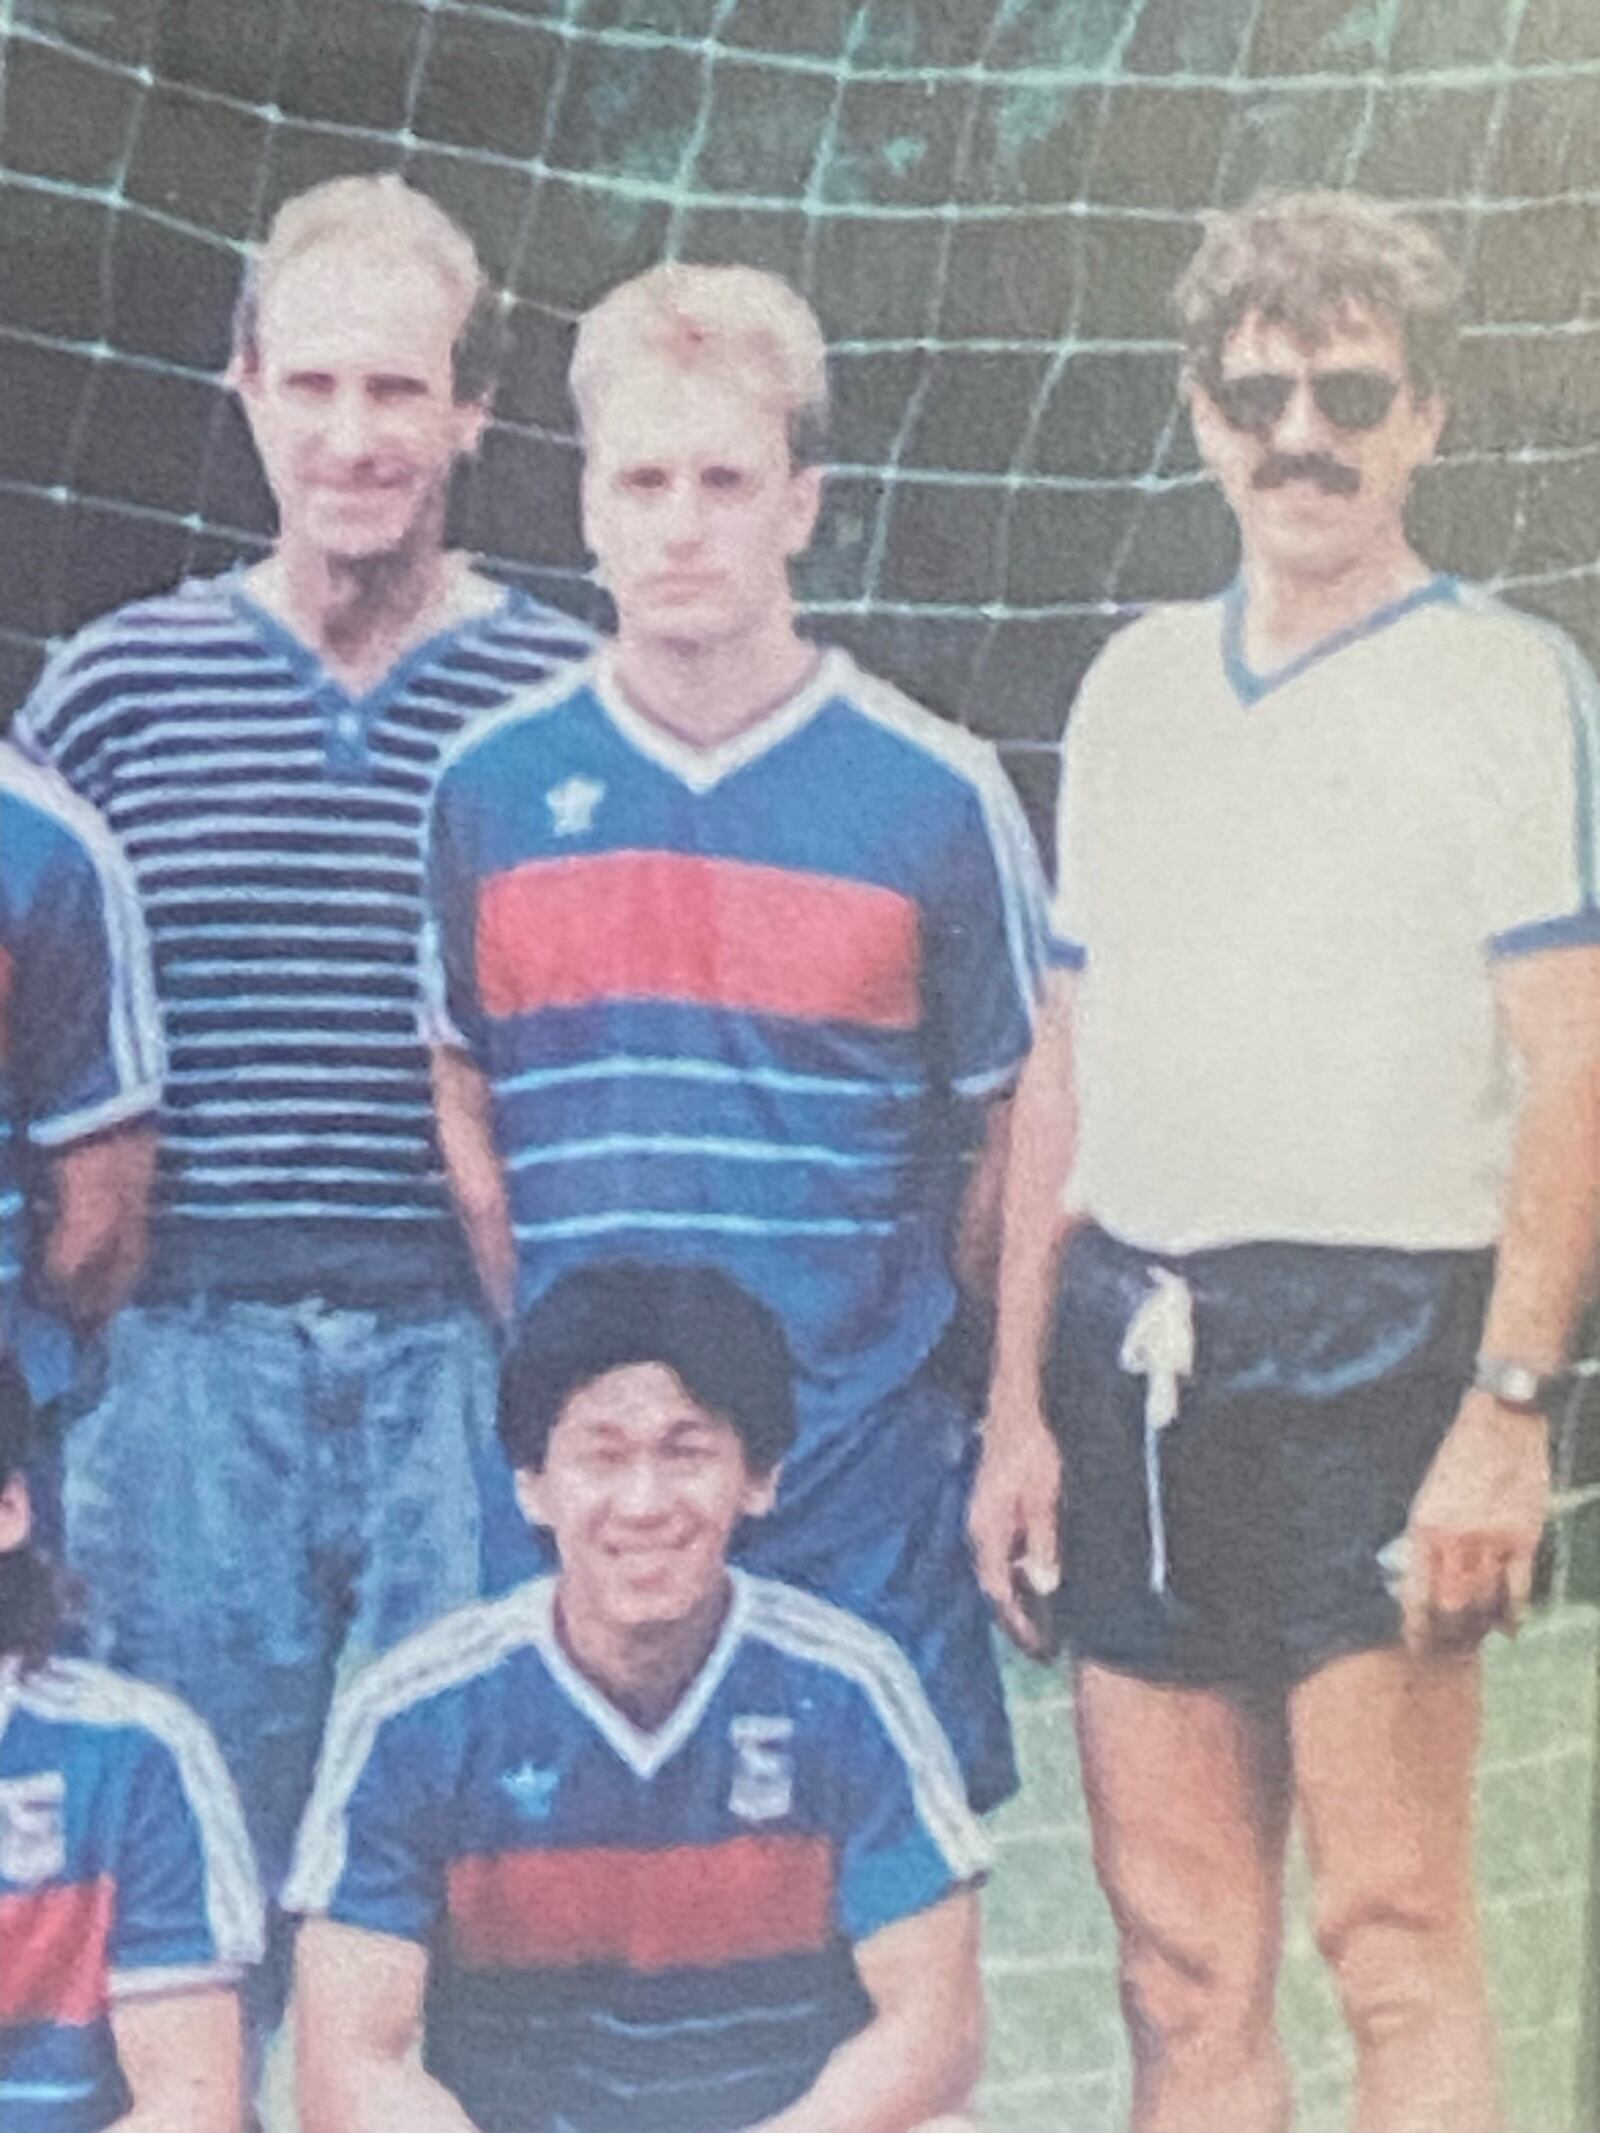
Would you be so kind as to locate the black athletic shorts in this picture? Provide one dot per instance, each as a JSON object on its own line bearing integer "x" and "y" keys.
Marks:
{"x": 1239, "y": 1546}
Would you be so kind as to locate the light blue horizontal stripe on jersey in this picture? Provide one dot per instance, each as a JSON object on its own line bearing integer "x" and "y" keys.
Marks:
{"x": 729, "y": 1225}
{"x": 627, "y": 1065}
{"x": 182, "y": 1008}
{"x": 173, "y": 770}
{"x": 10, "y": 1204}
{"x": 45, "y": 2091}
{"x": 687, "y": 2084}
{"x": 266, "y": 964}
{"x": 687, "y": 1144}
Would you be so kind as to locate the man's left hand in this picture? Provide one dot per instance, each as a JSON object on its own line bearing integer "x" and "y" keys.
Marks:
{"x": 1475, "y": 1527}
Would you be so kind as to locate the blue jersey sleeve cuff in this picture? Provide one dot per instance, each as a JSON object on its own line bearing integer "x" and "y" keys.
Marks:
{"x": 1063, "y": 954}
{"x": 896, "y": 1884}
{"x": 1579, "y": 929}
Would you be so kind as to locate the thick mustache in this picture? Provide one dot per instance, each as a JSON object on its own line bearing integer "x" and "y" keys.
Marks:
{"x": 1330, "y": 475}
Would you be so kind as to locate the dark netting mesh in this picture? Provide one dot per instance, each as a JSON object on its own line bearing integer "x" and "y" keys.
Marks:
{"x": 988, "y": 201}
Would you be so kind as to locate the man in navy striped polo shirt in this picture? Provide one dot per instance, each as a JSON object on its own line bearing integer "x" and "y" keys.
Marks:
{"x": 295, "y": 1399}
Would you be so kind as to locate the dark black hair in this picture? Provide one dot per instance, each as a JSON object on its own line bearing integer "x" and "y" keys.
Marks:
{"x": 30, "y": 1603}
{"x": 725, "y": 1349}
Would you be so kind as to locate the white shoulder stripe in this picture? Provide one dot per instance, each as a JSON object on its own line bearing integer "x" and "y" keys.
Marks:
{"x": 1016, "y": 857}
{"x": 82, "y": 1693}
{"x": 567, "y": 682}
{"x": 468, "y": 1642}
{"x": 134, "y": 1031}
{"x": 807, "y": 1628}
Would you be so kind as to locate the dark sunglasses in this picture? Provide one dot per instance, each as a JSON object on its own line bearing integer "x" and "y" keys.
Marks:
{"x": 1349, "y": 399}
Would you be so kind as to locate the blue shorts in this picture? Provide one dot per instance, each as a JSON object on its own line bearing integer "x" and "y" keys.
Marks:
{"x": 905, "y": 1566}
{"x": 1239, "y": 1547}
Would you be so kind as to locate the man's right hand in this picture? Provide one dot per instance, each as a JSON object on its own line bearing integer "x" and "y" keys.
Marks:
{"x": 1014, "y": 1520}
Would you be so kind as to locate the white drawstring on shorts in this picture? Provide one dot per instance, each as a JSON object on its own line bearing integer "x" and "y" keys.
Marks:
{"x": 1158, "y": 1346}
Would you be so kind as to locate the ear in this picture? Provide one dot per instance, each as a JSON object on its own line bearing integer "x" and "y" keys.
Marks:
{"x": 531, "y": 1500}
{"x": 760, "y": 1493}
{"x": 805, "y": 501}
{"x": 16, "y": 1515}
{"x": 472, "y": 417}
{"x": 1432, "y": 411}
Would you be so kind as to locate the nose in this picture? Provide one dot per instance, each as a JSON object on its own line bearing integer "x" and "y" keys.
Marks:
{"x": 683, "y": 515}
{"x": 347, "y": 427}
{"x": 1300, "y": 428}
{"x": 641, "y": 1493}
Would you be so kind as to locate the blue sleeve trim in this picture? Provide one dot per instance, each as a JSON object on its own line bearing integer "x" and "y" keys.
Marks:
{"x": 892, "y": 1885}
{"x": 1579, "y": 929}
{"x": 1065, "y": 954}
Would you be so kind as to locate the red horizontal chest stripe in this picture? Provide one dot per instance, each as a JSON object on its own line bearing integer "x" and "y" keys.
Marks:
{"x": 667, "y": 926}
{"x": 53, "y": 1952}
{"x": 687, "y": 1907}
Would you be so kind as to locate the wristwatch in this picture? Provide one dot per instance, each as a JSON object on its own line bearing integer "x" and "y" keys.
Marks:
{"x": 1518, "y": 1385}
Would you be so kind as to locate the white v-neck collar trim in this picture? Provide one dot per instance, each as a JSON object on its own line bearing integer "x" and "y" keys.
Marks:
{"x": 644, "y": 1753}
{"x": 10, "y": 1691}
{"x": 702, "y": 768}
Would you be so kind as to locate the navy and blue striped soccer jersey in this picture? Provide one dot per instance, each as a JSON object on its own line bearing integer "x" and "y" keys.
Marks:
{"x": 124, "y": 1870}
{"x": 635, "y": 1930}
{"x": 80, "y": 1045}
{"x": 735, "y": 1003}
{"x": 273, "y": 824}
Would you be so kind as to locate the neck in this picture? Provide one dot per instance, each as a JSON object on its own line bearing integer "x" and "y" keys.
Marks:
{"x": 355, "y": 609}
{"x": 707, "y": 693}
{"x": 1288, "y": 612}
{"x": 645, "y": 1668}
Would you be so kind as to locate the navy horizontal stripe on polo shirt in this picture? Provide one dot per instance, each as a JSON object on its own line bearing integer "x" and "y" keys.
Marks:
{"x": 273, "y": 822}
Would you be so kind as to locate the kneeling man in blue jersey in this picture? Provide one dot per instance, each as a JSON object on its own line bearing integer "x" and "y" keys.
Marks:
{"x": 660, "y": 1847}
{"x": 738, "y": 950}
{"x": 1318, "y": 1107}
{"x": 128, "y": 1905}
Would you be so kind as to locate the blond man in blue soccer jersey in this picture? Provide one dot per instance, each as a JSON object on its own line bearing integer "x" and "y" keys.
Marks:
{"x": 737, "y": 950}
{"x": 1312, "y": 1132}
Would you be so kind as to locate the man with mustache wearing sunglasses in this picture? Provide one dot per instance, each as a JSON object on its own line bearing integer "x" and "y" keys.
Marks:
{"x": 1312, "y": 1131}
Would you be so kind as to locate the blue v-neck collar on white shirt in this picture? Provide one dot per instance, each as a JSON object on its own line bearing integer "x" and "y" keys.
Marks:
{"x": 1250, "y": 687}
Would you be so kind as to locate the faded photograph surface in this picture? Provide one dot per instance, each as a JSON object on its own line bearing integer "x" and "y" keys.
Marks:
{"x": 799, "y": 1065}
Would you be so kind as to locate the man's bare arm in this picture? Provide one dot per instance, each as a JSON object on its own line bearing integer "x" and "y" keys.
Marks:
{"x": 358, "y": 2016}
{"x": 1016, "y": 1497}
{"x": 181, "y": 2057}
{"x": 922, "y": 2052}
{"x": 1476, "y": 1520}
{"x": 477, "y": 1183}
{"x": 97, "y": 1227}
{"x": 980, "y": 1216}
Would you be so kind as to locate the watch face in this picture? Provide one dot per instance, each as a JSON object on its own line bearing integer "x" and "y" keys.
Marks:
{"x": 1514, "y": 1384}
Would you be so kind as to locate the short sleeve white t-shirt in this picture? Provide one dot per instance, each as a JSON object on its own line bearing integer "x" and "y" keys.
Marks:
{"x": 1287, "y": 894}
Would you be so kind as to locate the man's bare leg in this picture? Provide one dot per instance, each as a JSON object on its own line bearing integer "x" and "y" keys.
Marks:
{"x": 1188, "y": 1797}
{"x": 1383, "y": 1747}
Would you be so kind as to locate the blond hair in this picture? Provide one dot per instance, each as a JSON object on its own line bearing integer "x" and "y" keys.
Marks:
{"x": 1299, "y": 260}
{"x": 384, "y": 215}
{"x": 740, "y": 320}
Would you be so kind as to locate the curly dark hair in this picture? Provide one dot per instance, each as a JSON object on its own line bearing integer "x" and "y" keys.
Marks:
{"x": 1299, "y": 260}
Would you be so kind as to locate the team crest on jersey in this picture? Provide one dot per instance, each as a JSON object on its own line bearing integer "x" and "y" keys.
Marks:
{"x": 572, "y": 804}
{"x": 763, "y": 1769}
{"x": 33, "y": 1832}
